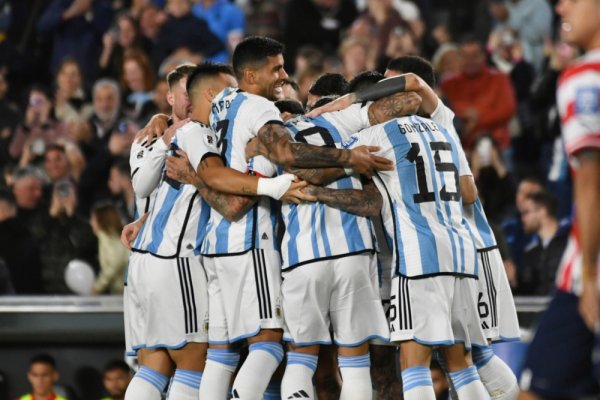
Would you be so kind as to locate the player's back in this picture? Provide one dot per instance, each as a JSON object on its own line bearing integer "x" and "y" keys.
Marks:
{"x": 176, "y": 225}
{"x": 315, "y": 230}
{"x": 236, "y": 117}
{"x": 422, "y": 201}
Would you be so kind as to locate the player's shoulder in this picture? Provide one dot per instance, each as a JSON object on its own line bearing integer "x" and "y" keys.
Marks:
{"x": 583, "y": 69}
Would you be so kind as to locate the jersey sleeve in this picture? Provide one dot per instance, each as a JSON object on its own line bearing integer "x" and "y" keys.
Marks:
{"x": 198, "y": 141}
{"x": 366, "y": 137}
{"x": 352, "y": 119}
{"x": 262, "y": 112}
{"x": 146, "y": 163}
{"x": 442, "y": 115}
{"x": 579, "y": 107}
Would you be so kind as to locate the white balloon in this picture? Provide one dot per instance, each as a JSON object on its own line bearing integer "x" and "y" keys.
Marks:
{"x": 79, "y": 277}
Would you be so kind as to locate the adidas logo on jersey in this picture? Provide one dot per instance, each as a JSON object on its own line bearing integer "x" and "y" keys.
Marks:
{"x": 264, "y": 236}
{"x": 190, "y": 246}
{"x": 301, "y": 394}
{"x": 140, "y": 154}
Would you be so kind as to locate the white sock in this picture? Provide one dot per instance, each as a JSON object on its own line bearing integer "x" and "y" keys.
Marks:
{"x": 497, "y": 377}
{"x": 468, "y": 385}
{"x": 356, "y": 377}
{"x": 256, "y": 372}
{"x": 147, "y": 384}
{"x": 417, "y": 384}
{"x": 216, "y": 379}
{"x": 185, "y": 385}
{"x": 297, "y": 378}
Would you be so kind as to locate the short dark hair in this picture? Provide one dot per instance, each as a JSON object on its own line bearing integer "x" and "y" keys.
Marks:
{"x": 180, "y": 72}
{"x": 253, "y": 50}
{"x": 117, "y": 364}
{"x": 328, "y": 84}
{"x": 204, "y": 71}
{"x": 324, "y": 100}
{"x": 290, "y": 106}
{"x": 546, "y": 200}
{"x": 42, "y": 359}
{"x": 363, "y": 80}
{"x": 415, "y": 64}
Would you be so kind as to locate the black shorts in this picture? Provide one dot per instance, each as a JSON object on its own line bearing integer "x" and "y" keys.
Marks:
{"x": 559, "y": 364}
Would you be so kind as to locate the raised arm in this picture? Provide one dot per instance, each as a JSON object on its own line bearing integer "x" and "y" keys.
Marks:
{"x": 366, "y": 202}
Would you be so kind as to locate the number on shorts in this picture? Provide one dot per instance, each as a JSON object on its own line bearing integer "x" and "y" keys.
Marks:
{"x": 482, "y": 306}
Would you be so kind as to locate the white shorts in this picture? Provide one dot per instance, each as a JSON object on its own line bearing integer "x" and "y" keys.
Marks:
{"x": 165, "y": 303}
{"x": 245, "y": 295}
{"x": 435, "y": 311}
{"x": 341, "y": 293}
{"x": 495, "y": 301}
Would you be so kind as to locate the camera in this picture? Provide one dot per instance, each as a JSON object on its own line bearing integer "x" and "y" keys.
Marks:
{"x": 63, "y": 188}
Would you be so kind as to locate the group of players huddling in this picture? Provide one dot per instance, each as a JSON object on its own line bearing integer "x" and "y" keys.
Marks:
{"x": 210, "y": 268}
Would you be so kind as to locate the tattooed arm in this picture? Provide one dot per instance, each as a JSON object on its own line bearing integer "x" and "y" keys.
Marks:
{"x": 394, "y": 106}
{"x": 232, "y": 207}
{"x": 366, "y": 202}
{"x": 275, "y": 144}
{"x": 318, "y": 176}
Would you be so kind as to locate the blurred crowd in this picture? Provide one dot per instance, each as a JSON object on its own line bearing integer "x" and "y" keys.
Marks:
{"x": 78, "y": 78}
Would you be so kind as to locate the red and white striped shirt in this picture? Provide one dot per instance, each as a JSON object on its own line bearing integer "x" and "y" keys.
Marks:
{"x": 579, "y": 107}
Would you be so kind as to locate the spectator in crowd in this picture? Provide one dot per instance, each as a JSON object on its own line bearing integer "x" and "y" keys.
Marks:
{"x": 64, "y": 237}
{"x": 121, "y": 187}
{"x": 112, "y": 255}
{"x": 482, "y": 98}
{"x": 151, "y": 20}
{"x": 308, "y": 57}
{"x": 446, "y": 61}
{"x": 512, "y": 227}
{"x": 116, "y": 378}
{"x": 315, "y": 22}
{"x": 9, "y": 119}
{"x": 56, "y": 164}
{"x": 70, "y": 104}
{"x": 531, "y": 20}
{"x": 328, "y": 84}
{"x": 401, "y": 43}
{"x": 27, "y": 187}
{"x": 305, "y": 80}
{"x": 183, "y": 29}
{"x": 137, "y": 81}
{"x": 77, "y": 27}
{"x": 542, "y": 257}
{"x": 38, "y": 130}
{"x": 42, "y": 377}
{"x": 104, "y": 130}
{"x": 225, "y": 19}
{"x": 18, "y": 250}
{"x": 354, "y": 53}
{"x": 492, "y": 177}
{"x": 116, "y": 42}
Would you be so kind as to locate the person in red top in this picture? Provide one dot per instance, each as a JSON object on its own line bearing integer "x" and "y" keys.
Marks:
{"x": 481, "y": 97}
{"x": 42, "y": 376}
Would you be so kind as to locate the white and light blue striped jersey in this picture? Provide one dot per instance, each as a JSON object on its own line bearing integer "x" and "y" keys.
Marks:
{"x": 482, "y": 232}
{"x": 315, "y": 231}
{"x": 146, "y": 170}
{"x": 236, "y": 118}
{"x": 176, "y": 225}
{"x": 422, "y": 203}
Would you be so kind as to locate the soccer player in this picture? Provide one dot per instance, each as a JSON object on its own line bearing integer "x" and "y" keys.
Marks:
{"x": 433, "y": 300}
{"x": 42, "y": 376}
{"x": 569, "y": 327}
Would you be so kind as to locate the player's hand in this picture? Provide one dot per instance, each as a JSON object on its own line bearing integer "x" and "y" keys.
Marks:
{"x": 338, "y": 104}
{"x": 296, "y": 193}
{"x": 362, "y": 161}
{"x": 130, "y": 232}
{"x": 252, "y": 148}
{"x": 170, "y": 131}
{"x": 154, "y": 128}
{"x": 588, "y": 305}
{"x": 180, "y": 169}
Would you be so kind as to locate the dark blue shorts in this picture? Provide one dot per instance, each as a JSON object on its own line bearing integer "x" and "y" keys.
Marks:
{"x": 558, "y": 364}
